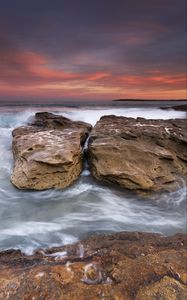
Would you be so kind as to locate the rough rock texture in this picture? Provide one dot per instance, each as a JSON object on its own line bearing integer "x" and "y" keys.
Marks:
{"x": 48, "y": 152}
{"x": 139, "y": 154}
{"x": 122, "y": 266}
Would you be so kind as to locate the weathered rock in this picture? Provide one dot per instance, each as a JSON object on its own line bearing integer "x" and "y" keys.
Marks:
{"x": 122, "y": 266}
{"x": 45, "y": 121}
{"x": 48, "y": 153}
{"x": 139, "y": 154}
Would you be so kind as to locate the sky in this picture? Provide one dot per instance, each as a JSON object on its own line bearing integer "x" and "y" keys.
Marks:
{"x": 56, "y": 50}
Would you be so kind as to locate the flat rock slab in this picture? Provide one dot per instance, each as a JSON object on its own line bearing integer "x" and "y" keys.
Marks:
{"x": 139, "y": 154}
{"x": 122, "y": 266}
{"x": 48, "y": 153}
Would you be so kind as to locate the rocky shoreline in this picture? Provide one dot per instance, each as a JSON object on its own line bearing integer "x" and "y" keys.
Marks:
{"x": 182, "y": 107}
{"x": 121, "y": 266}
{"x": 136, "y": 154}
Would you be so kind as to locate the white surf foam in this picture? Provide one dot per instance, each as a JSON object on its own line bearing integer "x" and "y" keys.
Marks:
{"x": 93, "y": 115}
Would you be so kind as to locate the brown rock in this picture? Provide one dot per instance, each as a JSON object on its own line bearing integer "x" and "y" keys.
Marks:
{"x": 166, "y": 288}
{"x": 139, "y": 154}
{"x": 48, "y": 153}
{"x": 123, "y": 266}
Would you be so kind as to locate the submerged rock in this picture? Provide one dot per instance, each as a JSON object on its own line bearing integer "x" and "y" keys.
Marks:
{"x": 48, "y": 153}
{"x": 123, "y": 266}
{"x": 139, "y": 154}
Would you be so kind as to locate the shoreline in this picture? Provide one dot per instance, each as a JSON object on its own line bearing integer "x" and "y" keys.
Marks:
{"x": 125, "y": 265}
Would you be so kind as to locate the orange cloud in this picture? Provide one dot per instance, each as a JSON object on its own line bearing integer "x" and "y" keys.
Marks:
{"x": 22, "y": 58}
{"x": 157, "y": 81}
{"x": 34, "y": 75}
{"x": 98, "y": 76}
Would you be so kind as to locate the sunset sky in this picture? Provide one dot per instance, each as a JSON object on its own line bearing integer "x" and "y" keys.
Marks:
{"x": 53, "y": 50}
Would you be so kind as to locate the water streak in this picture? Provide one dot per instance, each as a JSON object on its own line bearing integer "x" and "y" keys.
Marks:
{"x": 29, "y": 220}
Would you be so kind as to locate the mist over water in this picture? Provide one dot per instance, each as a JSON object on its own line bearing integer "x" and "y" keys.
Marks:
{"x": 31, "y": 219}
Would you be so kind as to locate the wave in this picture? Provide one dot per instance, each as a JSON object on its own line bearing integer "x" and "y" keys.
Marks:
{"x": 12, "y": 120}
{"x": 92, "y": 116}
{"x": 33, "y": 219}
{"x": 42, "y": 219}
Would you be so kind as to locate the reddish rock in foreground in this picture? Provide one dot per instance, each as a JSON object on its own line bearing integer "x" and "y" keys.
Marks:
{"x": 122, "y": 266}
{"x": 139, "y": 154}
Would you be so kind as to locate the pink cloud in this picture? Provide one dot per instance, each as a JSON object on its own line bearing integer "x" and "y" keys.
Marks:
{"x": 32, "y": 74}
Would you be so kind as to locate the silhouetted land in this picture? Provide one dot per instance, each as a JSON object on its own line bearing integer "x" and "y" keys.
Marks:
{"x": 169, "y": 100}
{"x": 179, "y": 104}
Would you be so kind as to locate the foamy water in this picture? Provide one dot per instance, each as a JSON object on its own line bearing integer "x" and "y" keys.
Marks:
{"x": 29, "y": 220}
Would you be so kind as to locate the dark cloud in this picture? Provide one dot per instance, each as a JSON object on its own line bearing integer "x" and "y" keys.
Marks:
{"x": 120, "y": 37}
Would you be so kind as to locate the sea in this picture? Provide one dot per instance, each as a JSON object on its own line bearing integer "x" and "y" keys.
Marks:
{"x": 42, "y": 219}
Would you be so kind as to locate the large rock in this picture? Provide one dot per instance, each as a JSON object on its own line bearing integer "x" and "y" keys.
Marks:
{"x": 48, "y": 153}
{"x": 122, "y": 266}
{"x": 139, "y": 154}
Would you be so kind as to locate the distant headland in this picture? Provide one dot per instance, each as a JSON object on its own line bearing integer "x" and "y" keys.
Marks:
{"x": 177, "y": 104}
{"x": 123, "y": 100}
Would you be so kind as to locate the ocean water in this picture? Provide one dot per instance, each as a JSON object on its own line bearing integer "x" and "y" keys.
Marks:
{"x": 32, "y": 219}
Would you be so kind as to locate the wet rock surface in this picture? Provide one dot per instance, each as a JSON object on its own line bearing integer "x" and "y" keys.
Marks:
{"x": 121, "y": 266}
{"x": 139, "y": 154}
{"x": 48, "y": 152}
